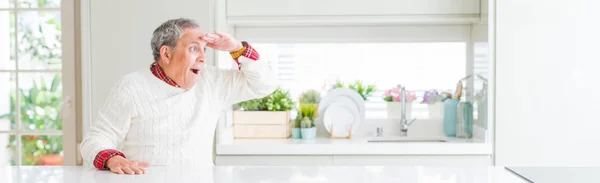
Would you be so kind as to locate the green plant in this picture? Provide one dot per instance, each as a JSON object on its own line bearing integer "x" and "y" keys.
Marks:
{"x": 252, "y": 105}
{"x": 39, "y": 45}
{"x": 363, "y": 90}
{"x": 307, "y": 123}
{"x": 310, "y": 96}
{"x": 339, "y": 84}
{"x": 306, "y": 115}
{"x": 41, "y": 41}
{"x": 298, "y": 120}
{"x": 279, "y": 100}
{"x": 309, "y": 110}
{"x": 39, "y": 109}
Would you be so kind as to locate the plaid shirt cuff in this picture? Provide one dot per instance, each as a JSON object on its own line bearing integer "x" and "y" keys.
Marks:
{"x": 104, "y": 155}
{"x": 247, "y": 51}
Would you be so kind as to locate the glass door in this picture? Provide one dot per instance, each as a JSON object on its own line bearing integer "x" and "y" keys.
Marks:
{"x": 31, "y": 82}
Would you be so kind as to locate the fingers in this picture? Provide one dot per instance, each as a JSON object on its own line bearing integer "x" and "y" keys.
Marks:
{"x": 127, "y": 170}
{"x": 222, "y": 34}
{"x": 215, "y": 39}
{"x": 211, "y": 38}
{"x": 137, "y": 170}
{"x": 133, "y": 163}
{"x": 130, "y": 168}
{"x": 117, "y": 170}
{"x": 135, "y": 166}
{"x": 144, "y": 164}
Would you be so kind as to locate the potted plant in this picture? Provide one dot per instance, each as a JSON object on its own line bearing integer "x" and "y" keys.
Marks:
{"x": 308, "y": 113}
{"x": 310, "y": 96}
{"x": 363, "y": 90}
{"x": 393, "y": 98}
{"x": 434, "y": 101}
{"x": 296, "y": 130}
{"x": 267, "y": 117}
{"x": 307, "y": 97}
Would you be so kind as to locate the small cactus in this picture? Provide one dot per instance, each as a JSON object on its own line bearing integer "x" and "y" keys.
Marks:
{"x": 298, "y": 121}
{"x": 307, "y": 123}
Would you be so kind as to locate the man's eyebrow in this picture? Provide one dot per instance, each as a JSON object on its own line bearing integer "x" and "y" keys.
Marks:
{"x": 195, "y": 42}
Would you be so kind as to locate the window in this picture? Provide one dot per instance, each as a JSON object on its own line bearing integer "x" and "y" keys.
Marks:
{"x": 419, "y": 66}
{"x": 420, "y": 57}
{"x": 31, "y": 85}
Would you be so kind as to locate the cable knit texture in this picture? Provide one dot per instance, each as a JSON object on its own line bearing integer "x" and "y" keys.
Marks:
{"x": 150, "y": 121}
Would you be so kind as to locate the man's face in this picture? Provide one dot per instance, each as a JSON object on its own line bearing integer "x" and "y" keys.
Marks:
{"x": 187, "y": 60}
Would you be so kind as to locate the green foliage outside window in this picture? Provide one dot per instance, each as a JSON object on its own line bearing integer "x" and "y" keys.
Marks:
{"x": 39, "y": 106}
{"x": 39, "y": 110}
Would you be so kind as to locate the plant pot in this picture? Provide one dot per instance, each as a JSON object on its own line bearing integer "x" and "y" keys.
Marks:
{"x": 436, "y": 110}
{"x": 394, "y": 110}
{"x": 309, "y": 133}
{"x": 296, "y": 133}
{"x": 51, "y": 160}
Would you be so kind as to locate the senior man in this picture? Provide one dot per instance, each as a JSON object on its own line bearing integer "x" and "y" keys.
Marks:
{"x": 166, "y": 113}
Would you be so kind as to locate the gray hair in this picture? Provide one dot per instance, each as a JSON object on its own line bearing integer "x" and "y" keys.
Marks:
{"x": 168, "y": 33}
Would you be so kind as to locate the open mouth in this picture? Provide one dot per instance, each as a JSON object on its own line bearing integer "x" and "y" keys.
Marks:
{"x": 195, "y": 71}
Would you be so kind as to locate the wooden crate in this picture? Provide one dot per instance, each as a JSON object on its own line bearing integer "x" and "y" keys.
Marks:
{"x": 262, "y": 131}
{"x": 261, "y": 117}
{"x": 261, "y": 124}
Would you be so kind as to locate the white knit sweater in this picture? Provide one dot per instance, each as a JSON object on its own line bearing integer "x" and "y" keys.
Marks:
{"x": 151, "y": 121}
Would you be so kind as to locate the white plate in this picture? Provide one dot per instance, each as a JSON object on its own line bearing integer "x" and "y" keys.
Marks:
{"x": 338, "y": 117}
{"x": 333, "y": 95}
{"x": 345, "y": 102}
{"x": 330, "y": 98}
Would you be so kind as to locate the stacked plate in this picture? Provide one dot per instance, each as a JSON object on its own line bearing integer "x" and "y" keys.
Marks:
{"x": 340, "y": 110}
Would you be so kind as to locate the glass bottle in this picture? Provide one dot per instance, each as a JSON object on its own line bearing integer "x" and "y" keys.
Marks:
{"x": 464, "y": 115}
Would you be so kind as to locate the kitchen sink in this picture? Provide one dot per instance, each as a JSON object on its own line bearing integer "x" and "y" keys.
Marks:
{"x": 407, "y": 139}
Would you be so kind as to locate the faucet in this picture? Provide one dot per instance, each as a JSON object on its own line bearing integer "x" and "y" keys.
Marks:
{"x": 403, "y": 121}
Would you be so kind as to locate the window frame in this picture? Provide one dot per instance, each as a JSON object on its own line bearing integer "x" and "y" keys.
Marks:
{"x": 401, "y": 33}
{"x": 67, "y": 113}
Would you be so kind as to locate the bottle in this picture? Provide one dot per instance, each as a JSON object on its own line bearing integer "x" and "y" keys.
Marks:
{"x": 464, "y": 115}
{"x": 450, "y": 112}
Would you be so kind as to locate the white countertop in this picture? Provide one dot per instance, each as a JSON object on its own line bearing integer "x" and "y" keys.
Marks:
{"x": 359, "y": 146}
{"x": 558, "y": 174}
{"x": 279, "y": 174}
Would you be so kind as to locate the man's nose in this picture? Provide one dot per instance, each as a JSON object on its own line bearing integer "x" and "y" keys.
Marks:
{"x": 201, "y": 57}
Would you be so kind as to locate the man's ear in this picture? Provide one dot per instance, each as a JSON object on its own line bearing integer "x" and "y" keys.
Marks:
{"x": 165, "y": 54}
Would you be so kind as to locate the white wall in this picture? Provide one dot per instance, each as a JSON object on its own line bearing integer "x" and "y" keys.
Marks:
{"x": 547, "y": 67}
{"x": 120, "y": 38}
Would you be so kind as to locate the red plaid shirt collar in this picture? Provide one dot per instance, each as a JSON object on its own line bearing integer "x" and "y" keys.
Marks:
{"x": 160, "y": 74}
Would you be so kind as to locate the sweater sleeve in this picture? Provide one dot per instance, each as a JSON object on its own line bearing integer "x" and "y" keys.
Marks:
{"x": 111, "y": 124}
{"x": 253, "y": 78}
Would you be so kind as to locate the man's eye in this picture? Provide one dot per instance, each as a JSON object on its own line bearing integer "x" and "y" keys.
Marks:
{"x": 204, "y": 49}
{"x": 194, "y": 49}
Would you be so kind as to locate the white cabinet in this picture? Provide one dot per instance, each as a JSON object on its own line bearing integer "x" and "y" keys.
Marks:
{"x": 412, "y": 160}
{"x": 350, "y": 7}
{"x": 252, "y": 160}
{"x": 356, "y": 160}
{"x": 546, "y": 64}
{"x": 330, "y": 12}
